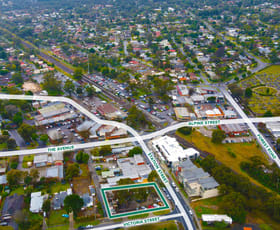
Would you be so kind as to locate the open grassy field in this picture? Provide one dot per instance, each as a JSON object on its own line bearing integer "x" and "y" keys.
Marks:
{"x": 223, "y": 152}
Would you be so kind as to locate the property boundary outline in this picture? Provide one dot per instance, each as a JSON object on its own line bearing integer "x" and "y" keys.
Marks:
{"x": 122, "y": 187}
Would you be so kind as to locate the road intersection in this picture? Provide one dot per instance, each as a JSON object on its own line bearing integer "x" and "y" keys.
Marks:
{"x": 146, "y": 150}
{"x": 140, "y": 140}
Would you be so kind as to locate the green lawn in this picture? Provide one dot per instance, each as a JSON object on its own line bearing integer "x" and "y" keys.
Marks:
{"x": 28, "y": 158}
{"x": 140, "y": 216}
{"x": 163, "y": 212}
{"x": 206, "y": 206}
{"x": 57, "y": 187}
{"x": 243, "y": 151}
{"x": 166, "y": 225}
{"x": 56, "y": 218}
{"x": 85, "y": 223}
{"x": 19, "y": 191}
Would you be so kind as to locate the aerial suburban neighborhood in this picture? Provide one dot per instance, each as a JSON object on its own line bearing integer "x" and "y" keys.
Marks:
{"x": 121, "y": 114}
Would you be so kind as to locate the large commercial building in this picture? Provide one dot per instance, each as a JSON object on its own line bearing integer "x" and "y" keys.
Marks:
{"x": 54, "y": 112}
{"x": 171, "y": 152}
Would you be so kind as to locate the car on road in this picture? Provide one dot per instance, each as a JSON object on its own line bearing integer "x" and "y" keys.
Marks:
{"x": 173, "y": 184}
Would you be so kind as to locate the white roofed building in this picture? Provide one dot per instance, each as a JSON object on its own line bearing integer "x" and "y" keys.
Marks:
{"x": 171, "y": 151}
{"x": 211, "y": 218}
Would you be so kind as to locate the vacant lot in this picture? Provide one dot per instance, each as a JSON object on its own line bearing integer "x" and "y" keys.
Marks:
{"x": 80, "y": 185}
{"x": 223, "y": 152}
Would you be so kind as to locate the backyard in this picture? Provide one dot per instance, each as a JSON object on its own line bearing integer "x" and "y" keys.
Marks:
{"x": 26, "y": 159}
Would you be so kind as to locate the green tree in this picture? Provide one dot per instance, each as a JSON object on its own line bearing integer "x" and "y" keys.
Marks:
{"x": 51, "y": 84}
{"x": 234, "y": 205}
{"x": 34, "y": 174}
{"x": 17, "y": 118}
{"x": 82, "y": 157}
{"x": 73, "y": 203}
{"x": 17, "y": 78}
{"x": 26, "y": 131}
{"x": 105, "y": 150}
{"x": 248, "y": 92}
{"x": 78, "y": 73}
{"x": 79, "y": 91}
{"x": 44, "y": 138}
{"x": 218, "y": 136}
{"x": 268, "y": 113}
{"x": 95, "y": 152}
{"x": 152, "y": 176}
{"x": 11, "y": 144}
{"x": 14, "y": 177}
{"x": 69, "y": 87}
{"x": 72, "y": 171}
{"x": 27, "y": 179}
{"x": 125, "y": 181}
{"x": 185, "y": 130}
{"x": 136, "y": 118}
{"x": 135, "y": 150}
{"x": 90, "y": 91}
{"x": 47, "y": 206}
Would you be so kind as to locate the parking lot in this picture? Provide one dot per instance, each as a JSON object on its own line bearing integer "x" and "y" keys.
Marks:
{"x": 67, "y": 129}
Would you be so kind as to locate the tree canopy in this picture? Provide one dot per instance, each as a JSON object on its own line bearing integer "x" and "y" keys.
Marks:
{"x": 218, "y": 136}
{"x": 73, "y": 203}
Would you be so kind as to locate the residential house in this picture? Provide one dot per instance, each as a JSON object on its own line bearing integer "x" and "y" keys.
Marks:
{"x": 196, "y": 182}
{"x": 88, "y": 201}
{"x": 58, "y": 199}
{"x": 37, "y": 200}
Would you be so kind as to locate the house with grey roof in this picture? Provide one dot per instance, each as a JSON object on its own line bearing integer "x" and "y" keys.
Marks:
{"x": 11, "y": 205}
{"x": 58, "y": 200}
{"x": 196, "y": 182}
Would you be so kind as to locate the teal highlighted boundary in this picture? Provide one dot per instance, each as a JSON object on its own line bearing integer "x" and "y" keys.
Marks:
{"x": 123, "y": 187}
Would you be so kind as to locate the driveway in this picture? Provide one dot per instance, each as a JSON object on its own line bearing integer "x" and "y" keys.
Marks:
{"x": 19, "y": 140}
